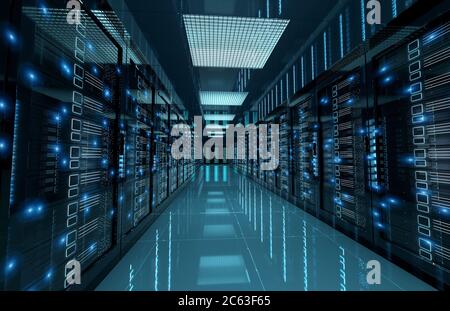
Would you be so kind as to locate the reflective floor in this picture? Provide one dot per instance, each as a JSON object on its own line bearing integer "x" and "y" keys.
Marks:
{"x": 225, "y": 232}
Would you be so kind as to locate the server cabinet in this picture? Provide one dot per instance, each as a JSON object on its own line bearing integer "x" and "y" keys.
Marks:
{"x": 160, "y": 166}
{"x": 61, "y": 201}
{"x": 412, "y": 197}
{"x": 180, "y": 165}
{"x": 270, "y": 175}
{"x": 173, "y": 164}
{"x": 9, "y": 13}
{"x": 262, "y": 174}
{"x": 283, "y": 172}
{"x": 186, "y": 167}
{"x": 343, "y": 121}
{"x": 195, "y": 163}
{"x": 255, "y": 163}
{"x": 135, "y": 149}
{"x": 278, "y": 180}
{"x": 248, "y": 161}
{"x": 241, "y": 147}
{"x": 305, "y": 152}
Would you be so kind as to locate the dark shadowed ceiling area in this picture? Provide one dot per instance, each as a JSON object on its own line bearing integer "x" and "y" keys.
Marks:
{"x": 161, "y": 22}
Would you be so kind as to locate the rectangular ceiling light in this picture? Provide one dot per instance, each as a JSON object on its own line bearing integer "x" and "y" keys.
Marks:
{"x": 232, "y": 42}
{"x": 223, "y": 98}
{"x": 219, "y": 117}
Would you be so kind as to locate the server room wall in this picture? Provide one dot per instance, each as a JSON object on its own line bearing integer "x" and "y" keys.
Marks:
{"x": 368, "y": 144}
{"x": 86, "y": 151}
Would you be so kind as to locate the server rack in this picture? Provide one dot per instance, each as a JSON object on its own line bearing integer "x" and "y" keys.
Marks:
{"x": 411, "y": 146}
{"x": 278, "y": 180}
{"x": 161, "y": 146}
{"x": 196, "y": 163}
{"x": 8, "y": 52}
{"x": 62, "y": 198}
{"x": 261, "y": 173}
{"x": 271, "y": 175}
{"x": 84, "y": 135}
{"x": 305, "y": 155}
{"x": 371, "y": 134}
{"x": 248, "y": 161}
{"x": 173, "y": 164}
{"x": 343, "y": 118}
{"x": 135, "y": 149}
{"x": 241, "y": 146}
{"x": 284, "y": 172}
{"x": 255, "y": 163}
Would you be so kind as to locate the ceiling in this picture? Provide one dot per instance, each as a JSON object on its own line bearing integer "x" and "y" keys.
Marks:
{"x": 161, "y": 22}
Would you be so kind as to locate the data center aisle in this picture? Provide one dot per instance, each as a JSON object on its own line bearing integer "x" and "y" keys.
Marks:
{"x": 225, "y": 232}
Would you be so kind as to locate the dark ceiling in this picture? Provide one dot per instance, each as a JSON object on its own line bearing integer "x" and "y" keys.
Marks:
{"x": 161, "y": 22}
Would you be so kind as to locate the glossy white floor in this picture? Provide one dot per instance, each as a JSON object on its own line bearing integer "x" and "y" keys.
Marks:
{"x": 225, "y": 232}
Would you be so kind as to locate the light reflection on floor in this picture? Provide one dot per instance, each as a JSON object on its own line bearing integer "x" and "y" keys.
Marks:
{"x": 225, "y": 232}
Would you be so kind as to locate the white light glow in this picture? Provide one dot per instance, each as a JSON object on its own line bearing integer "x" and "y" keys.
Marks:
{"x": 232, "y": 42}
{"x": 223, "y": 98}
{"x": 219, "y": 117}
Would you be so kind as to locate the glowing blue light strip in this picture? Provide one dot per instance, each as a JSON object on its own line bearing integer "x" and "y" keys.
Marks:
{"x": 303, "y": 71}
{"x": 232, "y": 42}
{"x": 305, "y": 258}
{"x": 294, "y": 75}
{"x": 225, "y": 174}
{"x": 245, "y": 79}
{"x": 287, "y": 85}
{"x": 342, "y": 270}
{"x": 254, "y": 209}
{"x": 268, "y": 8}
{"x": 130, "y": 278}
{"x": 216, "y": 174}
{"x": 284, "y": 245}
{"x": 276, "y": 96}
{"x": 394, "y": 8}
{"x": 270, "y": 229}
{"x": 249, "y": 202}
{"x": 262, "y": 218}
{"x": 169, "y": 272}
{"x": 14, "y": 153}
{"x": 363, "y": 20}
{"x": 156, "y": 259}
{"x": 273, "y": 101}
{"x": 325, "y": 55}
{"x": 313, "y": 71}
{"x": 281, "y": 92}
{"x": 280, "y": 7}
{"x": 341, "y": 35}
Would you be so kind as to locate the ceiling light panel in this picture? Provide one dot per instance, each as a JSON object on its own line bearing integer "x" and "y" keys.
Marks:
{"x": 232, "y": 42}
{"x": 223, "y": 98}
{"x": 219, "y": 117}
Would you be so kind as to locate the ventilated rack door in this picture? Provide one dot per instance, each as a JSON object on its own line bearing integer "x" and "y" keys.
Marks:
{"x": 61, "y": 205}
{"x": 343, "y": 121}
{"x": 305, "y": 153}
{"x": 412, "y": 209}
